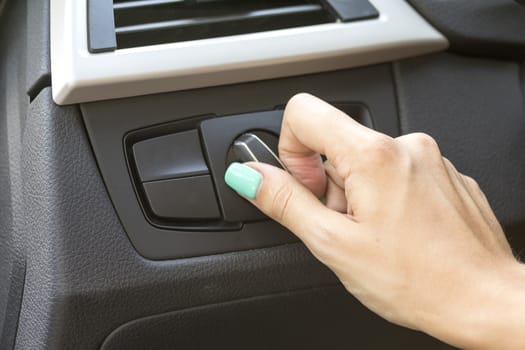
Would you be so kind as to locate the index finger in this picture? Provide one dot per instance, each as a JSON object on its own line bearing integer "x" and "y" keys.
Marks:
{"x": 312, "y": 127}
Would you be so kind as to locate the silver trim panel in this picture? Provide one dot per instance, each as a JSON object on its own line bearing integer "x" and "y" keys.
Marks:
{"x": 79, "y": 76}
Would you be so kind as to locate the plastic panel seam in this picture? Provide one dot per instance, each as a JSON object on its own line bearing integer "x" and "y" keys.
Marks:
{"x": 225, "y": 302}
{"x": 521, "y": 66}
{"x": 15, "y": 301}
{"x": 393, "y": 74}
{"x": 41, "y": 83}
{"x": 104, "y": 182}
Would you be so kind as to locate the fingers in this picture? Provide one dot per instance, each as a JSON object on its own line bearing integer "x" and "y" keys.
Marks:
{"x": 280, "y": 196}
{"x": 335, "y": 191}
{"x": 484, "y": 206}
{"x": 312, "y": 127}
{"x": 308, "y": 169}
{"x": 471, "y": 199}
{"x": 479, "y": 201}
{"x": 332, "y": 174}
{"x": 335, "y": 198}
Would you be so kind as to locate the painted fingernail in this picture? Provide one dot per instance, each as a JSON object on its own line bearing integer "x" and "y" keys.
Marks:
{"x": 243, "y": 179}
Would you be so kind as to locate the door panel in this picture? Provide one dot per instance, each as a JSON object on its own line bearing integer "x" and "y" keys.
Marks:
{"x": 81, "y": 267}
{"x": 474, "y": 108}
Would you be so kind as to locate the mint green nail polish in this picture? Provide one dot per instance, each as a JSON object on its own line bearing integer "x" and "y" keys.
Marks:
{"x": 243, "y": 179}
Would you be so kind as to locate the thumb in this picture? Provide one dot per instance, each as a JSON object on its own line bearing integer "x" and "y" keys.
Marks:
{"x": 284, "y": 199}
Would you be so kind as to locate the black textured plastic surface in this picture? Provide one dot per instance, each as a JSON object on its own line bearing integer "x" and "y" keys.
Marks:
{"x": 480, "y": 27}
{"x": 108, "y": 123}
{"x": 321, "y": 318}
{"x": 38, "y": 47}
{"x": 354, "y": 10}
{"x": 170, "y": 156}
{"x": 83, "y": 277}
{"x": 14, "y": 69}
{"x": 475, "y": 109}
{"x": 101, "y": 26}
{"x": 189, "y": 198}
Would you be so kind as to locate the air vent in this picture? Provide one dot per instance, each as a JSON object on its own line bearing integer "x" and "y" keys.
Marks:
{"x": 121, "y": 24}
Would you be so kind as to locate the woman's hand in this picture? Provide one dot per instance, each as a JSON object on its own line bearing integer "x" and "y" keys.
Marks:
{"x": 407, "y": 234}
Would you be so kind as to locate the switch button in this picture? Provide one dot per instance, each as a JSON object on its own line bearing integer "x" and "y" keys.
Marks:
{"x": 170, "y": 156}
{"x": 189, "y": 198}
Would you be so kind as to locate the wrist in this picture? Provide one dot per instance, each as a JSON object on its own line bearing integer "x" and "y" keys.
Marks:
{"x": 490, "y": 312}
{"x": 504, "y": 318}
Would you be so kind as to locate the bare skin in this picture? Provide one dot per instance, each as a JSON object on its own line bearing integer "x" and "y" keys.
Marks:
{"x": 408, "y": 235}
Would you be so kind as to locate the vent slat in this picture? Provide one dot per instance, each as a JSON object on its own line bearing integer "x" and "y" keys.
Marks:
{"x": 151, "y": 22}
{"x": 150, "y": 11}
{"x": 291, "y": 10}
{"x": 143, "y": 3}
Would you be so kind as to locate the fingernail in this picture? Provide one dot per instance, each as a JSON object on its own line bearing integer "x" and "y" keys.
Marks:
{"x": 243, "y": 179}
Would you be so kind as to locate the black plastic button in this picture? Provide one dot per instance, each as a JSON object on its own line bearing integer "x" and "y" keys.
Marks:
{"x": 171, "y": 156}
{"x": 189, "y": 198}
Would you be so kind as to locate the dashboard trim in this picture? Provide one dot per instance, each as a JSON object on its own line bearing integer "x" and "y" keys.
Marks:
{"x": 80, "y": 76}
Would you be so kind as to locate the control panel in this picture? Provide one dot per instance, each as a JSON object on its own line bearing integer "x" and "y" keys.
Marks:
{"x": 163, "y": 157}
{"x": 179, "y": 175}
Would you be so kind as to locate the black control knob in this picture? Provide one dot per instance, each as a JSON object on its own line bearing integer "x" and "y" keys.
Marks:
{"x": 256, "y": 147}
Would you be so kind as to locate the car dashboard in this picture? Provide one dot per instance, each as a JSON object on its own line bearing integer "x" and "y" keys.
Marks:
{"x": 117, "y": 120}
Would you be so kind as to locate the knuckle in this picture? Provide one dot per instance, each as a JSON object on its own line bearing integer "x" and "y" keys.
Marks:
{"x": 449, "y": 165}
{"x": 299, "y": 97}
{"x": 472, "y": 183}
{"x": 280, "y": 202}
{"x": 325, "y": 238}
{"x": 380, "y": 149}
{"x": 447, "y": 162}
{"x": 294, "y": 107}
{"x": 296, "y": 101}
{"x": 425, "y": 142}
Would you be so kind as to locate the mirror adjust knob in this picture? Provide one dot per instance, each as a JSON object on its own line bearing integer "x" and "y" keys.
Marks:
{"x": 250, "y": 148}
